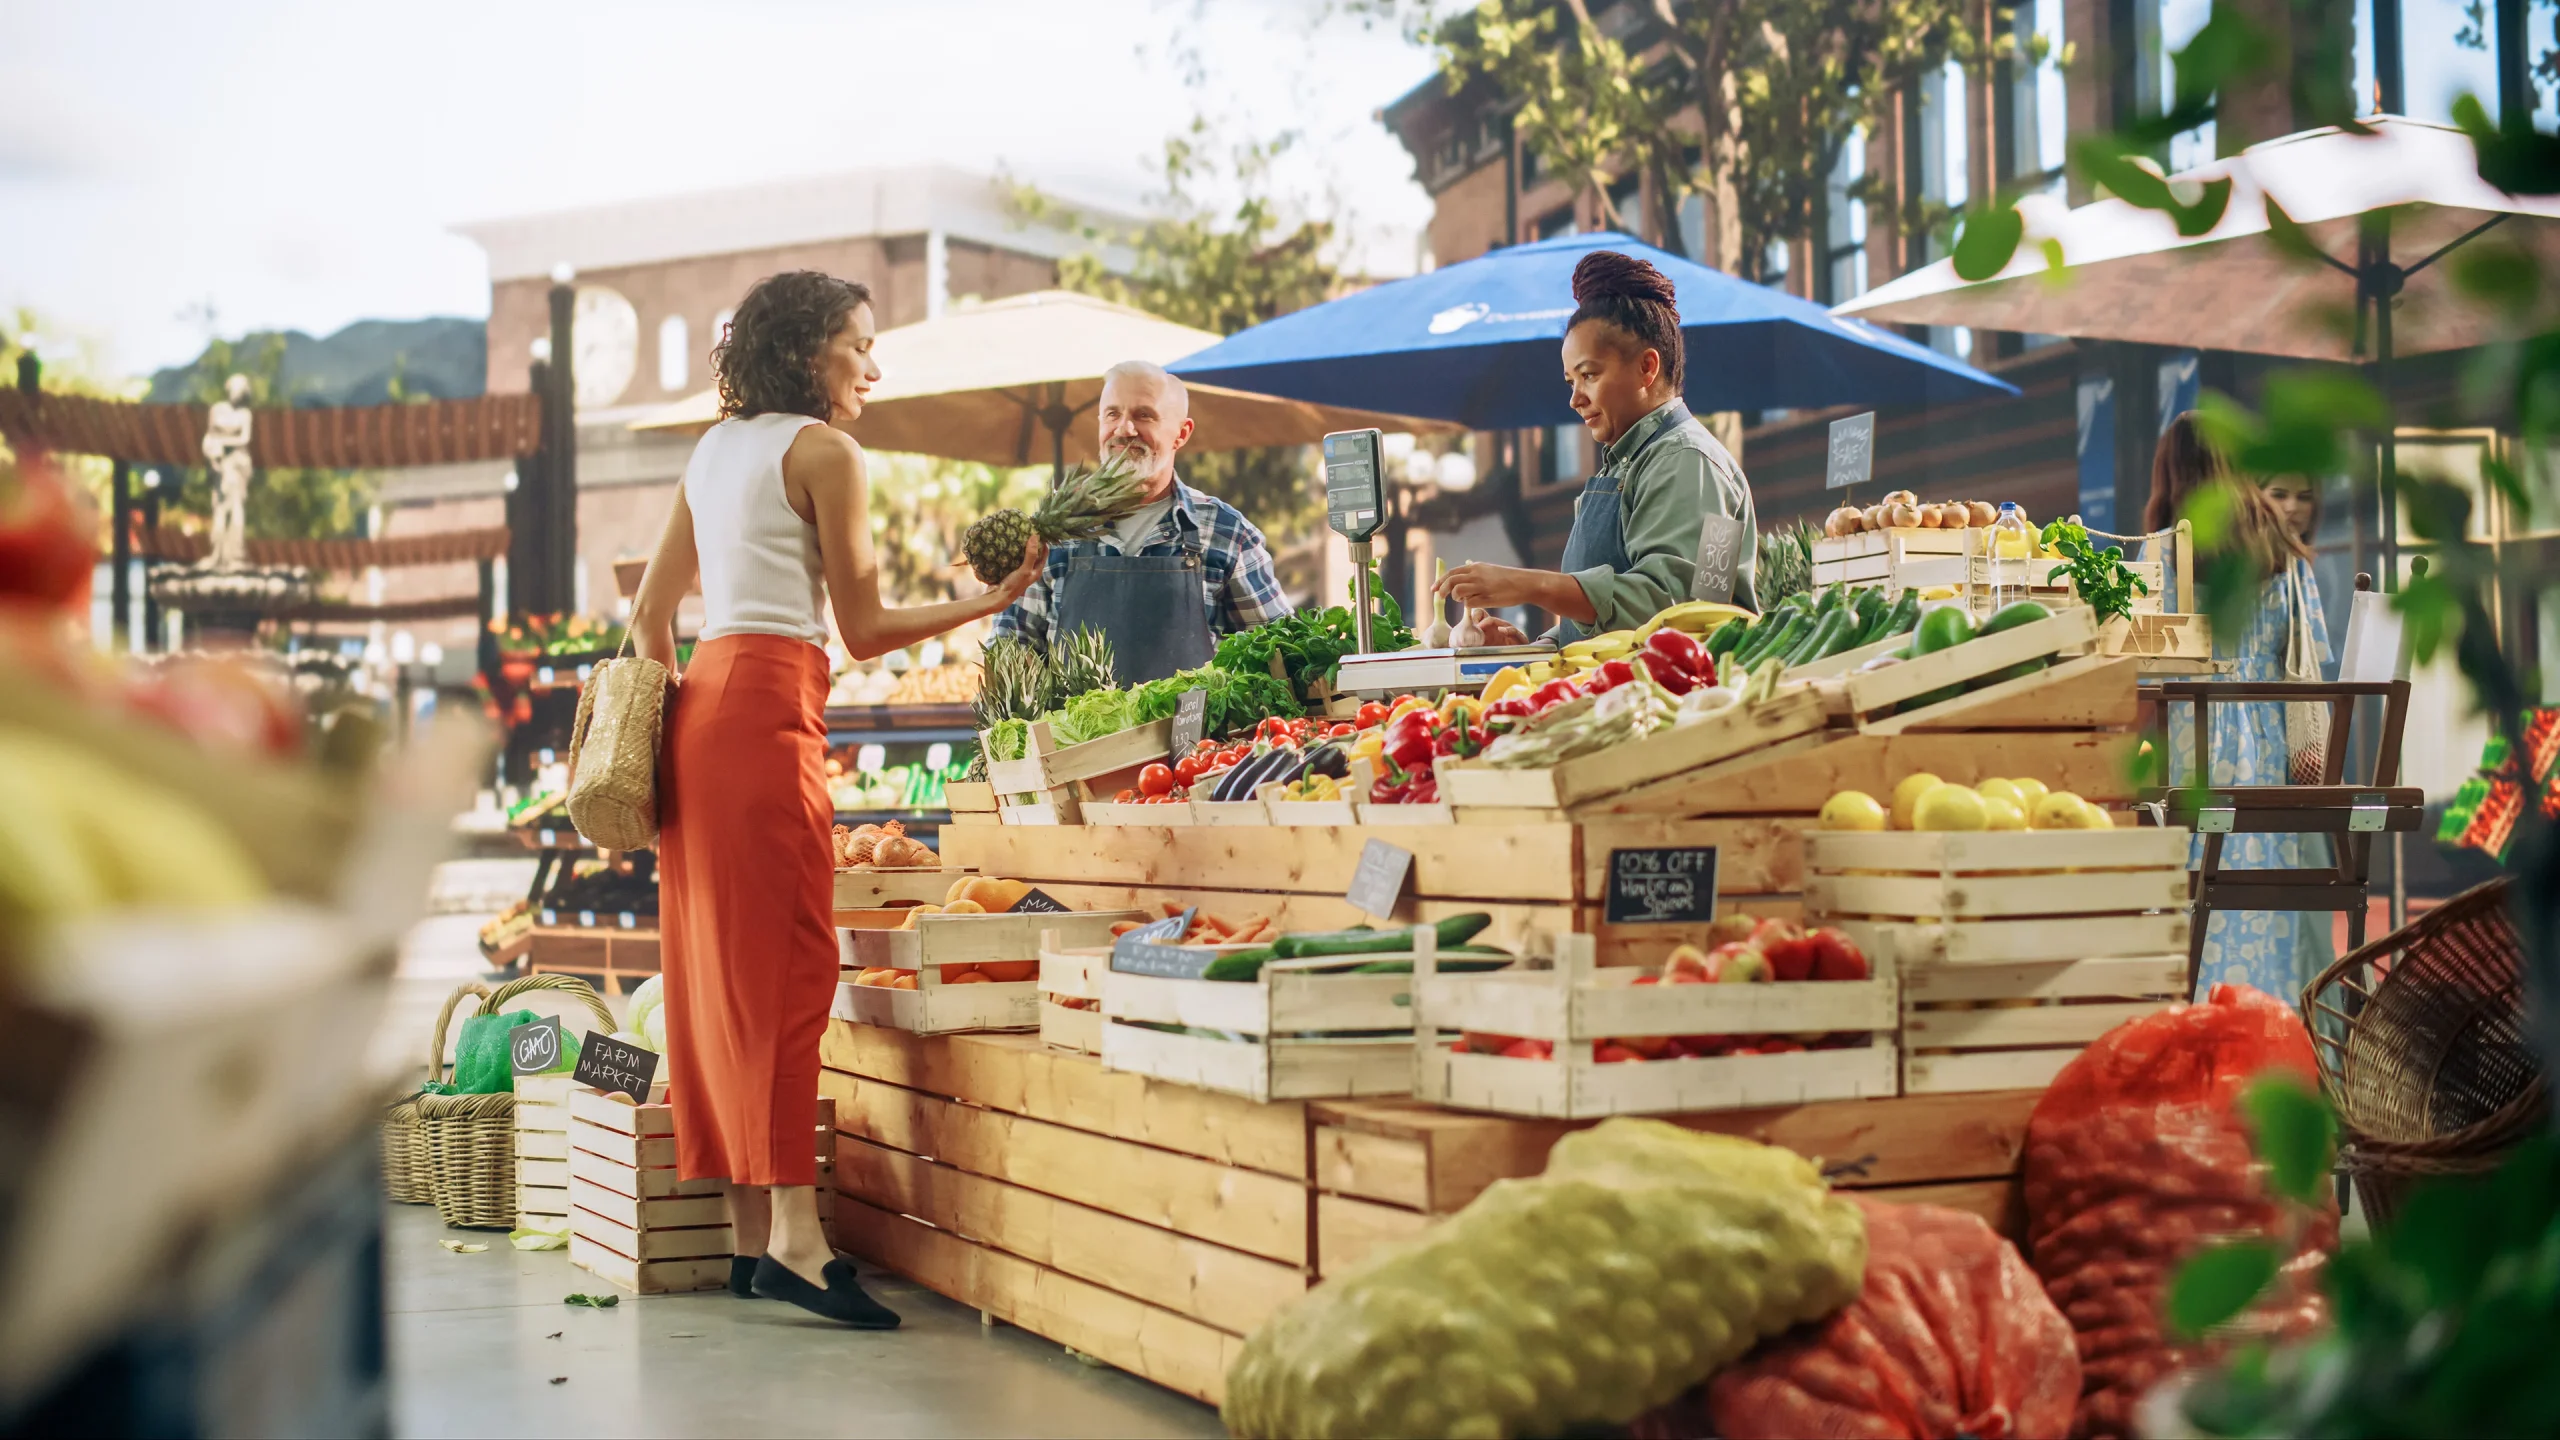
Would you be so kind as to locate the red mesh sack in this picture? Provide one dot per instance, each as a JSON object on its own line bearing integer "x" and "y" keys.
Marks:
{"x": 2135, "y": 1157}
{"x": 1950, "y": 1336}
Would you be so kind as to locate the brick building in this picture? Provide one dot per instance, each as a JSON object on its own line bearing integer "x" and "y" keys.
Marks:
{"x": 656, "y": 280}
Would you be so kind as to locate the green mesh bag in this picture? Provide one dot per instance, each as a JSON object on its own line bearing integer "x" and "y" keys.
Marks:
{"x": 481, "y": 1062}
{"x": 1644, "y": 1260}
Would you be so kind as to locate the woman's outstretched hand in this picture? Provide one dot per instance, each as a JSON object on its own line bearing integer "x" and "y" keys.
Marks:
{"x": 1035, "y": 562}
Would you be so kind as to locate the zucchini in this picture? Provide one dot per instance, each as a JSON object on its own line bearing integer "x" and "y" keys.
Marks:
{"x": 1871, "y": 608}
{"x": 1727, "y": 635}
{"x": 1781, "y": 643}
{"x": 1898, "y": 620}
{"x": 1468, "y": 962}
{"x": 1238, "y": 965}
{"x": 1824, "y": 638}
{"x": 1454, "y": 931}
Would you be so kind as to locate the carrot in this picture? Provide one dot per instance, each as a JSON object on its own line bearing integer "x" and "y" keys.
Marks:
{"x": 1252, "y": 932}
{"x": 1122, "y": 927}
{"x": 1210, "y": 925}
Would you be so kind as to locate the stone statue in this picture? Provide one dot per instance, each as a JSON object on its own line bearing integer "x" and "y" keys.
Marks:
{"x": 226, "y": 449}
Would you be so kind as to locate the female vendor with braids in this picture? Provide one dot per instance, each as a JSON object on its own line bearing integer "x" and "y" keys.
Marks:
{"x": 1636, "y": 525}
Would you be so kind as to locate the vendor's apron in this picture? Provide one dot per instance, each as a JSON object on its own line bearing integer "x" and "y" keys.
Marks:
{"x": 1599, "y": 534}
{"x": 1152, "y": 608}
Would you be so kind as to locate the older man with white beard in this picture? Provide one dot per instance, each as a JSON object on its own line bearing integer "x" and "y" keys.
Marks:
{"x": 1183, "y": 569}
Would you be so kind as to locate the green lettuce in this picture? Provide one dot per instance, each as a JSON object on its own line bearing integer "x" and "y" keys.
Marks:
{"x": 1008, "y": 740}
{"x": 1091, "y": 715}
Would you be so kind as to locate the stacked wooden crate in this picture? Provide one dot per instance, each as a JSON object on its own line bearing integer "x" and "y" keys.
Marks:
{"x": 542, "y": 1151}
{"x": 1052, "y": 783}
{"x": 1149, "y": 1225}
{"x": 2017, "y": 948}
{"x": 632, "y": 1221}
{"x": 1387, "y": 1170}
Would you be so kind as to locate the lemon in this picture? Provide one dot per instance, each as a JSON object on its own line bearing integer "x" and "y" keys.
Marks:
{"x": 2002, "y": 814}
{"x": 2061, "y": 810}
{"x": 1999, "y": 789}
{"x": 1951, "y": 807}
{"x": 1908, "y": 793}
{"x": 1852, "y": 810}
{"x": 2029, "y": 792}
{"x": 2099, "y": 819}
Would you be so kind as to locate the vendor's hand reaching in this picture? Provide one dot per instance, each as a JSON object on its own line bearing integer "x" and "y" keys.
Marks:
{"x": 1479, "y": 586}
{"x": 1492, "y": 629}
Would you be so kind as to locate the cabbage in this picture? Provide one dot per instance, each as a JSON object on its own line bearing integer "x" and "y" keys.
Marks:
{"x": 650, "y": 995}
{"x": 1008, "y": 740}
{"x": 1091, "y": 716}
{"x": 656, "y": 1029}
{"x": 629, "y": 1037}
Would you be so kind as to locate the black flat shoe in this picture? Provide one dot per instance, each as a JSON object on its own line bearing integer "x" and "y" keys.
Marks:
{"x": 842, "y": 1300}
{"x": 742, "y": 1276}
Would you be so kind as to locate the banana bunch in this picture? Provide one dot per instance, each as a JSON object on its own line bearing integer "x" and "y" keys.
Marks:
{"x": 1600, "y": 649}
{"x": 1697, "y": 618}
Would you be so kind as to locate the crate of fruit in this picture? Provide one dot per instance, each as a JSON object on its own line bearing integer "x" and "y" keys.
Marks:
{"x": 957, "y": 972}
{"x": 1264, "y": 1027}
{"x": 1711, "y": 1030}
{"x": 1956, "y": 665}
{"x": 1625, "y": 773}
{"x": 2015, "y": 948}
{"x": 1071, "y": 993}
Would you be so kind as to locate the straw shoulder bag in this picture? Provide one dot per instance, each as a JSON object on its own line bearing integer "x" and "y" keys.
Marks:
{"x": 2306, "y": 722}
{"x": 613, "y": 752}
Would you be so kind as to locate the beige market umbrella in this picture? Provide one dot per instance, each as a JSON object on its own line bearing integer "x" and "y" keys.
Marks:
{"x": 1014, "y": 381}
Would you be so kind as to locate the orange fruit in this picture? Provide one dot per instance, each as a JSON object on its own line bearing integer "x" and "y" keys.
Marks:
{"x": 964, "y": 906}
{"x": 1010, "y": 970}
{"x": 906, "y": 981}
{"x": 966, "y": 976}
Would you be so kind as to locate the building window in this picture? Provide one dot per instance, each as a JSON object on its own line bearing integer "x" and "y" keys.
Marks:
{"x": 2177, "y": 23}
{"x": 1556, "y": 222}
{"x": 1844, "y": 241}
{"x": 2039, "y": 137}
{"x": 1945, "y": 173}
{"x": 1565, "y": 454}
{"x": 675, "y": 354}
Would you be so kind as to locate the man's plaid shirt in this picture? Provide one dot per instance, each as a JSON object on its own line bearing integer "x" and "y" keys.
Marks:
{"x": 1239, "y": 585}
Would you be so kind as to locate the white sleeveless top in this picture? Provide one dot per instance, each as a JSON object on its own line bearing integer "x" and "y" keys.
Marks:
{"x": 761, "y": 571}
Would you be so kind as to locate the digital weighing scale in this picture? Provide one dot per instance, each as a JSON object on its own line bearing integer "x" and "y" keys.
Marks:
{"x": 1355, "y": 503}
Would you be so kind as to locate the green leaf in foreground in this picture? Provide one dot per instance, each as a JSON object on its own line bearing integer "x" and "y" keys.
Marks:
{"x": 1990, "y": 237}
{"x": 2297, "y": 1136}
{"x": 592, "y": 1302}
{"x": 2218, "y": 1283}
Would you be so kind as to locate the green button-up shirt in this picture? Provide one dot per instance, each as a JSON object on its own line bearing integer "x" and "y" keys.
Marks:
{"x": 1664, "y": 497}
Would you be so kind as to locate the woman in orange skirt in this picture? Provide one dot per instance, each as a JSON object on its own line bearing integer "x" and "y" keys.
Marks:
{"x": 773, "y": 515}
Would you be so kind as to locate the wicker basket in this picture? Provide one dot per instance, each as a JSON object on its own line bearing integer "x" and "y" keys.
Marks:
{"x": 465, "y": 1145}
{"x": 2421, "y": 1038}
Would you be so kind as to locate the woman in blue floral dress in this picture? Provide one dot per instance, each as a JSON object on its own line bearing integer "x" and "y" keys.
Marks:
{"x": 2276, "y": 951}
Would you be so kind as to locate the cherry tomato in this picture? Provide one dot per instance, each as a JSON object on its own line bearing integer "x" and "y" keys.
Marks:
{"x": 1342, "y": 731}
{"x": 1125, "y": 797}
{"x": 1155, "y": 780}
{"x": 1370, "y": 713}
{"x": 1234, "y": 754}
{"x": 1271, "y": 728}
{"x": 1188, "y": 768}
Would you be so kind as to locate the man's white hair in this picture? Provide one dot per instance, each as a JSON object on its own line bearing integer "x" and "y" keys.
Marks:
{"x": 1167, "y": 386}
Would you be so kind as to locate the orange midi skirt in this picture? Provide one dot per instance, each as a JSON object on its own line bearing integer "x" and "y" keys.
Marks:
{"x": 746, "y": 888}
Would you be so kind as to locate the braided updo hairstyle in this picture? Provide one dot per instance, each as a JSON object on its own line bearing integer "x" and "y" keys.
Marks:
{"x": 1633, "y": 298}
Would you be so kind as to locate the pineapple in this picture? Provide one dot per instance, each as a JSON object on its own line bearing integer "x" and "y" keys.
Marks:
{"x": 1079, "y": 661}
{"x": 1013, "y": 682}
{"x": 1083, "y": 505}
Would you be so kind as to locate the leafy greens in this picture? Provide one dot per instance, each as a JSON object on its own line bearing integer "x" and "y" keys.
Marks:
{"x": 1091, "y": 715}
{"x": 1009, "y": 739}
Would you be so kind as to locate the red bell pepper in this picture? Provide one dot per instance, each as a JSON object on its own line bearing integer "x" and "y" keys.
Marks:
{"x": 1410, "y": 739}
{"x": 1554, "y": 692}
{"x": 1667, "y": 673}
{"x": 1676, "y": 646}
{"x": 1611, "y": 675}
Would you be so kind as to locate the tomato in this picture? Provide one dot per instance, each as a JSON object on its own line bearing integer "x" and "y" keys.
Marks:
{"x": 1610, "y": 676}
{"x": 1233, "y": 754}
{"x": 1341, "y": 731}
{"x": 1155, "y": 780}
{"x": 1370, "y": 713}
{"x": 1554, "y": 692}
{"x": 1271, "y": 728}
{"x": 1188, "y": 768}
{"x": 1125, "y": 797}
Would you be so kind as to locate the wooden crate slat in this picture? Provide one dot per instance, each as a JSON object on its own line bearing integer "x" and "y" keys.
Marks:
{"x": 2032, "y": 852}
{"x": 652, "y": 1153}
{"x": 1530, "y": 862}
{"x": 1280, "y": 1002}
{"x": 865, "y": 889}
{"x": 2046, "y": 979}
{"x": 692, "y": 1242}
{"x": 1017, "y": 1075}
{"x": 1243, "y": 1209}
{"x": 2087, "y": 693}
{"x": 1984, "y": 1070}
{"x": 542, "y": 1145}
{"x": 1514, "y": 922}
{"x": 1348, "y": 1231}
{"x": 1735, "y": 732}
{"x": 1226, "y": 1288}
{"x": 1987, "y": 897}
{"x": 1172, "y": 1350}
{"x": 1065, "y": 1029}
{"x": 2000, "y": 942}
{"x": 933, "y": 1008}
{"x": 1875, "y": 689}
{"x": 653, "y": 1183}
{"x": 2093, "y": 765}
{"x": 1573, "y": 1086}
{"x": 550, "y": 1174}
{"x": 547, "y": 1203}
{"x": 1757, "y": 856}
{"x": 974, "y": 939}
{"x": 631, "y": 1212}
{"x": 2073, "y": 1025}
{"x": 1282, "y": 1068}
{"x": 647, "y": 1277}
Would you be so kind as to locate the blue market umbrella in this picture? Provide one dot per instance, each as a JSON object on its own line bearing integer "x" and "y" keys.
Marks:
{"x": 1477, "y": 342}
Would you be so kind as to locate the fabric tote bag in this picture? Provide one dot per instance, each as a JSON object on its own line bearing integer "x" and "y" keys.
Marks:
{"x": 2306, "y": 722}
{"x": 613, "y": 752}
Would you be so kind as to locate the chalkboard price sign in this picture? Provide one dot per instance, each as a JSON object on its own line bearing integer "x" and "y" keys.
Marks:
{"x": 1036, "y": 902}
{"x": 1720, "y": 541}
{"x": 1667, "y": 885}
{"x": 1190, "y": 719}
{"x": 1853, "y": 452}
{"x": 535, "y": 1048}
{"x": 610, "y": 1064}
{"x": 1150, "y": 950}
{"x": 1378, "y": 883}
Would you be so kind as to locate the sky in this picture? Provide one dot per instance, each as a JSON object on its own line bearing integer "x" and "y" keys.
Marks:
{"x": 171, "y": 171}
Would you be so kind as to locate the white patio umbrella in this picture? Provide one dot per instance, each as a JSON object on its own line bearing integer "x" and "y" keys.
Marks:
{"x": 1015, "y": 380}
{"x": 2382, "y": 209}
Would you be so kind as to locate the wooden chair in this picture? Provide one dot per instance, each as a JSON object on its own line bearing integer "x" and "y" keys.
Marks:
{"x": 2352, "y": 814}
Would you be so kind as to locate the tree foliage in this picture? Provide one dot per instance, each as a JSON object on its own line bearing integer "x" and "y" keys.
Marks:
{"x": 1220, "y": 265}
{"x": 72, "y": 366}
{"x": 921, "y": 504}
{"x": 284, "y": 503}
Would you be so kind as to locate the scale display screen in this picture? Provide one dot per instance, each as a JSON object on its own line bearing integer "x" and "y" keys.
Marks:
{"x": 1355, "y": 482}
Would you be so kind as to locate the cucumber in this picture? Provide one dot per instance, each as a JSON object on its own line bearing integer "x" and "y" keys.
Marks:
{"x": 1832, "y": 638}
{"x": 1238, "y": 965}
{"x": 1810, "y": 644}
{"x": 1466, "y": 962}
{"x": 1904, "y": 614}
{"x": 1728, "y": 635}
{"x": 1871, "y": 608}
{"x": 1797, "y": 627}
{"x": 1454, "y": 931}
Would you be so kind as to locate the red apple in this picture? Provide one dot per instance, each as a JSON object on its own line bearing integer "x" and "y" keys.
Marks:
{"x": 1737, "y": 964}
{"x": 1609, "y": 1052}
{"x": 1530, "y": 1050}
{"x": 1837, "y": 957}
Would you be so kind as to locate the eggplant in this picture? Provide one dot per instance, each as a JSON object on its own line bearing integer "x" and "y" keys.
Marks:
{"x": 1252, "y": 772}
{"x": 1331, "y": 759}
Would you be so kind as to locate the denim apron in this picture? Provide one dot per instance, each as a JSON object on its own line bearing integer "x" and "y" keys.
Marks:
{"x": 1152, "y": 608}
{"x": 1599, "y": 535}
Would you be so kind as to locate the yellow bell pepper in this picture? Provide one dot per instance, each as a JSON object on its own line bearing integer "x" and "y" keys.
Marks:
{"x": 1508, "y": 681}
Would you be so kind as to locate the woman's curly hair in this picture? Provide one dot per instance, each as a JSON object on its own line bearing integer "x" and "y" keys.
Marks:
{"x": 767, "y": 362}
{"x": 1631, "y": 297}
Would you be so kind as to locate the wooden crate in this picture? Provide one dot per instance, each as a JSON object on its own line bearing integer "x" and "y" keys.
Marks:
{"x": 1072, "y": 973}
{"x": 542, "y": 1137}
{"x": 971, "y": 802}
{"x": 937, "y": 940}
{"x": 2164, "y": 643}
{"x": 1790, "y": 715}
{"x": 1574, "y": 1005}
{"x": 1061, "y": 779}
{"x": 1387, "y": 1170}
{"x": 1875, "y": 700}
{"x": 622, "y": 1183}
{"x": 1896, "y": 559}
{"x": 1298, "y": 1028}
{"x": 1152, "y": 1226}
{"x": 2016, "y": 948}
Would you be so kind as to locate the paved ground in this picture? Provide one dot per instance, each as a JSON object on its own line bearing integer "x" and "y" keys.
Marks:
{"x": 482, "y": 1345}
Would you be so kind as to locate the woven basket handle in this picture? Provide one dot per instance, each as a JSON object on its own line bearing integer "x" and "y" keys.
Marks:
{"x": 527, "y": 984}
{"x": 444, "y": 1018}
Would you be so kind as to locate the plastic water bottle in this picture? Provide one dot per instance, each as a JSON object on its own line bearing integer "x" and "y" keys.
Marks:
{"x": 2013, "y": 547}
